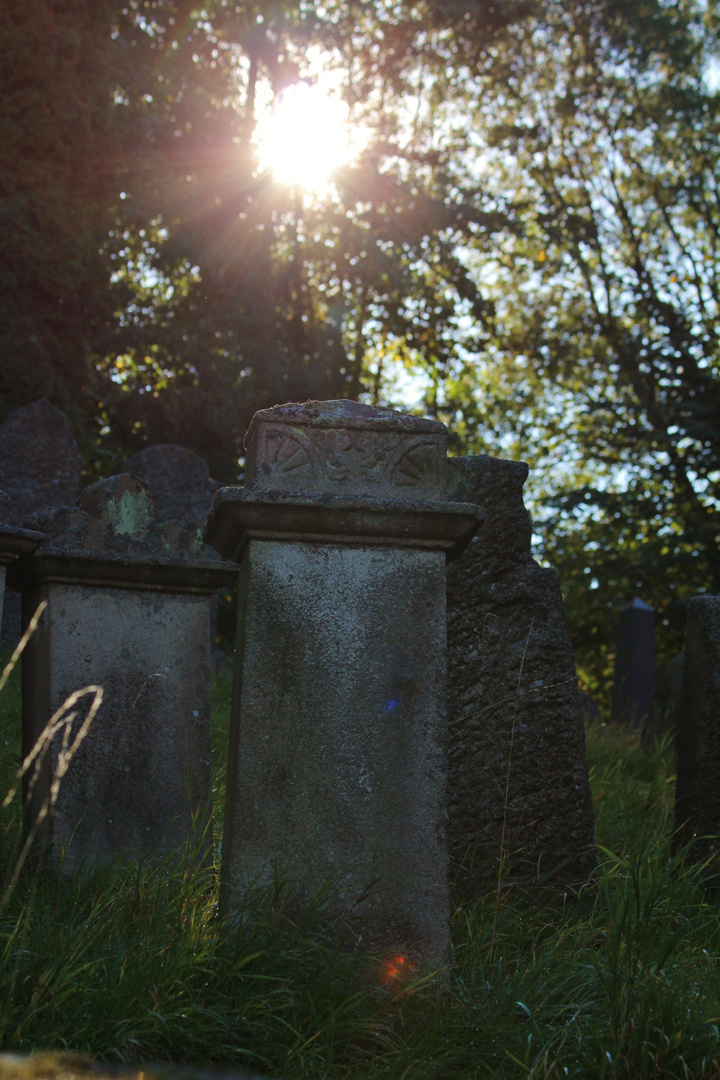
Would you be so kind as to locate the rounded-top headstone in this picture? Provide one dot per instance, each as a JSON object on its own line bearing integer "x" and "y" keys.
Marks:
{"x": 178, "y": 479}
{"x": 40, "y": 463}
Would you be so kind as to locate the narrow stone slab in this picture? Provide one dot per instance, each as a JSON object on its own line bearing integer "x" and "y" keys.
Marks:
{"x": 128, "y": 609}
{"x": 519, "y": 799}
{"x": 697, "y": 792}
{"x": 337, "y": 766}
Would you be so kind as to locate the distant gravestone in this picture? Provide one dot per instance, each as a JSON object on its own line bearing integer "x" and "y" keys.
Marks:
{"x": 635, "y": 674}
{"x": 40, "y": 468}
{"x": 697, "y": 792}
{"x": 665, "y": 704}
{"x": 178, "y": 479}
{"x": 519, "y": 796}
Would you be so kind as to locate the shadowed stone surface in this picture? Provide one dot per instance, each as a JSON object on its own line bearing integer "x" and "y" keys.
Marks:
{"x": 178, "y": 479}
{"x": 665, "y": 703}
{"x": 40, "y": 468}
{"x": 697, "y": 793}
{"x": 515, "y": 713}
{"x": 128, "y": 610}
{"x": 337, "y": 767}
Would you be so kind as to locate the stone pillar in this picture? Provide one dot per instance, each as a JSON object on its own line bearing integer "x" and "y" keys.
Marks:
{"x": 697, "y": 793}
{"x": 128, "y": 610}
{"x": 337, "y": 765}
{"x": 635, "y": 674}
{"x": 519, "y": 791}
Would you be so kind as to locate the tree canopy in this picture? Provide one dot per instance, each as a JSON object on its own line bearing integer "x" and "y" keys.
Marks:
{"x": 527, "y": 243}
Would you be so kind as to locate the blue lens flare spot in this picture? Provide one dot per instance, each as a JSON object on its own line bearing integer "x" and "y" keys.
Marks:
{"x": 392, "y": 705}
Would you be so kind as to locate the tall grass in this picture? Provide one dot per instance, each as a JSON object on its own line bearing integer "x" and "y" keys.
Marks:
{"x": 131, "y": 963}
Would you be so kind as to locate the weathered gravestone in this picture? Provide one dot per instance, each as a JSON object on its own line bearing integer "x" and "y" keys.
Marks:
{"x": 337, "y": 769}
{"x": 519, "y": 801}
{"x": 178, "y": 479}
{"x": 697, "y": 792}
{"x": 40, "y": 467}
{"x": 128, "y": 610}
{"x": 635, "y": 675}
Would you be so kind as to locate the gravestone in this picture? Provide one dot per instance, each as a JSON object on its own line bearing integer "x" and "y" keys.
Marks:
{"x": 178, "y": 479}
{"x": 40, "y": 467}
{"x": 519, "y": 793}
{"x": 697, "y": 792}
{"x": 128, "y": 609}
{"x": 635, "y": 676}
{"x": 337, "y": 762}
{"x": 664, "y": 707}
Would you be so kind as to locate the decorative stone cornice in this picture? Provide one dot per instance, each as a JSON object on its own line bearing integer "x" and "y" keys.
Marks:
{"x": 239, "y": 515}
{"x": 199, "y": 578}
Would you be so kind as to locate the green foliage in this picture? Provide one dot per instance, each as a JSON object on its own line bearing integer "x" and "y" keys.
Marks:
{"x": 131, "y": 963}
{"x": 530, "y": 233}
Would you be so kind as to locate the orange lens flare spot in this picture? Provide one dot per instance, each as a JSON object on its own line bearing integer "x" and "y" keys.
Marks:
{"x": 396, "y": 967}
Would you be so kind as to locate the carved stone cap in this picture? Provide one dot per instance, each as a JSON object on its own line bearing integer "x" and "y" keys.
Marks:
{"x": 344, "y": 448}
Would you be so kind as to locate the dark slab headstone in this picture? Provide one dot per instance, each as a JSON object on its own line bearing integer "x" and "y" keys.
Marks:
{"x": 635, "y": 674}
{"x": 40, "y": 468}
{"x": 178, "y": 479}
{"x": 519, "y": 792}
{"x": 665, "y": 703}
{"x": 697, "y": 792}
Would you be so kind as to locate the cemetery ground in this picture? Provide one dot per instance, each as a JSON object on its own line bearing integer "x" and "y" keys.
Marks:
{"x": 132, "y": 963}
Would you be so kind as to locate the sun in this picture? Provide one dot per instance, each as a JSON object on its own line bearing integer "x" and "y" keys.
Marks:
{"x": 305, "y": 136}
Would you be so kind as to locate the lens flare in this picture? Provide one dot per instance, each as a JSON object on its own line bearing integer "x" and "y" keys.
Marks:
{"x": 305, "y": 137}
{"x": 396, "y": 967}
